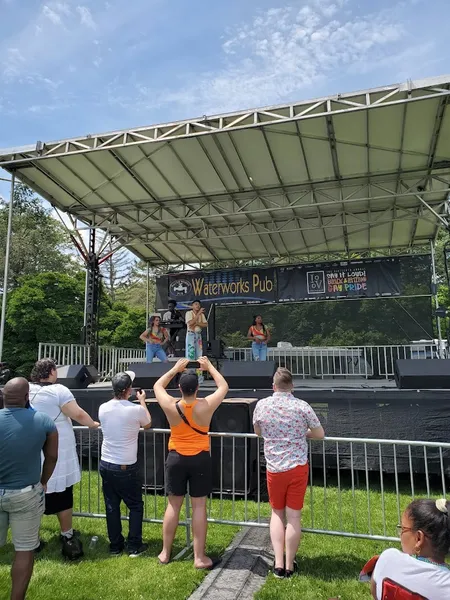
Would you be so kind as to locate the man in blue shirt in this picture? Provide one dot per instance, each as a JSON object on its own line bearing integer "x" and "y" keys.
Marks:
{"x": 23, "y": 435}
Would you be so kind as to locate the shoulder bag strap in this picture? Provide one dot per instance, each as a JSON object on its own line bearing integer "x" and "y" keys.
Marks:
{"x": 183, "y": 417}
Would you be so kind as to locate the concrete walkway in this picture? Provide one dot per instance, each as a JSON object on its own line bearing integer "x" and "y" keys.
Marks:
{"x": 243, "y": 569}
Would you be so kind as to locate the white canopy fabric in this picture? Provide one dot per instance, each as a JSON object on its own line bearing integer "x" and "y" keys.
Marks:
{"x": 348, "y": 173}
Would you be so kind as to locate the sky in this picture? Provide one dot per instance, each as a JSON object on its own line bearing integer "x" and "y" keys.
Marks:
{"x": 75, "y": 67}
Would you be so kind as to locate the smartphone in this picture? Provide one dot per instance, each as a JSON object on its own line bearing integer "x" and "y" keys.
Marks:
{"x": 193, "y": 364}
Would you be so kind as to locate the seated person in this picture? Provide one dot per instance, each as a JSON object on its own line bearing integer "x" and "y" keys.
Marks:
{"x": 419, "y": 571}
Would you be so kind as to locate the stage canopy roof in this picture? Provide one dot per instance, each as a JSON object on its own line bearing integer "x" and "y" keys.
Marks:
{"x": 348, "y": 173}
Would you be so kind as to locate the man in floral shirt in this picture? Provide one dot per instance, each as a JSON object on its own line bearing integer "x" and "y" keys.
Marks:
{"x": 286, "y": 423}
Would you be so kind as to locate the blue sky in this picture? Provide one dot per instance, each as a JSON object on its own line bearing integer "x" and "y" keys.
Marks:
{"x": 82, "y": 66}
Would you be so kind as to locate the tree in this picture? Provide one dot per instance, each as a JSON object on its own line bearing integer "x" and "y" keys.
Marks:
{"x": 39, "y": 242}
{"x": 48, "y": 307}
{"x": 134, "y": 293}
{"x": 117, "y": 271}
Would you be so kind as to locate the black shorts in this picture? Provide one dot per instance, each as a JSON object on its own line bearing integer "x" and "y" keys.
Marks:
{"x": 59, "y": 501}
{"x": 195, "y": 470}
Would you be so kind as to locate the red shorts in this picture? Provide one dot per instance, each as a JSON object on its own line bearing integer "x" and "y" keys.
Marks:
{"x": 288, "y": 489}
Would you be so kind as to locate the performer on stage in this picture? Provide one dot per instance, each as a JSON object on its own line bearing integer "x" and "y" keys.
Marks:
{"x": 176, "y": 320}
{"x": 260, "y": 336}
{"x": 195, "y": 321}
{"x": 172, "y": 314}
{"x": 154, "y": 337}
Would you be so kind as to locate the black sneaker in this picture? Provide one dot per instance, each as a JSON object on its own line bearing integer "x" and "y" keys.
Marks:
{"x": 279, "y": 573}
{"x": 291, "y": 573}
{"x": 137, "y": 552}
{"x": 116, "y": 551}
{"x": 72, "y": 548}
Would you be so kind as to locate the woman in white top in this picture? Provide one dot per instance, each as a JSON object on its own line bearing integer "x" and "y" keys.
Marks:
{"x": 420, "y": 570}
{"x": 58, "y": 402}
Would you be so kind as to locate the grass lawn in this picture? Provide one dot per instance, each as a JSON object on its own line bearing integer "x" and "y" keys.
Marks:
{"x": 329, "y": 565}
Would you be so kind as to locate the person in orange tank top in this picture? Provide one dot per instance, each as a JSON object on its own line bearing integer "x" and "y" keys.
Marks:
{"x": 260, "y": 336}
{"x": 189, "y": 460}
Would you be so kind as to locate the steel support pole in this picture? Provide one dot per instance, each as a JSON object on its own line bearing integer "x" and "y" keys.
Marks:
{"x": 147, "y": 311}
{"x": 436, "y": 299}
{"x": 6, "y": 268}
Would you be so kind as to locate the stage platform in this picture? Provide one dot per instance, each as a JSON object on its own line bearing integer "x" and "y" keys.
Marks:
{"x": 346, "y": 408}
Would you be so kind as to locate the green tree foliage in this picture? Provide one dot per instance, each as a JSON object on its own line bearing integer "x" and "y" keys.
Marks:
{"x": 39, "y": 242}
{"x": 45, "y": 308}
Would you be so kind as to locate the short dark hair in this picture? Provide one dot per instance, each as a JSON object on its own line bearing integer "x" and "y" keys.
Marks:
{"x": 42, "y": 369}
{"x": 283, "y": 378}
{"x": 189, "y": 383}
{"x": 174, "y": 302}
{"x": 434, "y": 523}
{"x": 121, "y": 382}
{"x": 196, "y": 300}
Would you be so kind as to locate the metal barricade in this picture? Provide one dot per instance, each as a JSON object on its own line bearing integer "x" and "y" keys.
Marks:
{"x": 357, "y": 487}
{"x": 318, "y": 362}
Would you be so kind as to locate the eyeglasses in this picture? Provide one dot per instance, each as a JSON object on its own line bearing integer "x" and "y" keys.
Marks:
{"x": 401, "y": 530}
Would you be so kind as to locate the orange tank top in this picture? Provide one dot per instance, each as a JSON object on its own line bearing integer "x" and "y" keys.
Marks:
{"x": 258, "y": 332}
{"x": 185, "y": 440}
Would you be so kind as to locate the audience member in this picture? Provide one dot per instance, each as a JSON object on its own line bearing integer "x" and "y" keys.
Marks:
{"x": 121, "y": 420}
{"x": 286, "y": 423}
{"x": 58, "y": 402}
{"x": 420, "y": 568}
{"x": 23, "y": 435}
{"x": 189, "y": 461}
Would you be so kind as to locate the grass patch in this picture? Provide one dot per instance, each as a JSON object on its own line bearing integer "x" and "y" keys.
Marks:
{"x": 329, "y": 565}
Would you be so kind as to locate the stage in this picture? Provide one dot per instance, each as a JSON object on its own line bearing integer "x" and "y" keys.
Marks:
{"x": 346, "y": 407}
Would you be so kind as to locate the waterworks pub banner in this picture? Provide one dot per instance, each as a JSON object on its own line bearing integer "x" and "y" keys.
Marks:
{"x": 365, "y": 278}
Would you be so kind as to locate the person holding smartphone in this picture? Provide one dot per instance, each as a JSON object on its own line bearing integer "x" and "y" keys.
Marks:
{"x": 189, "y": 459}
{"x": 121, "y": 421}
{"x": 196, "y": 322}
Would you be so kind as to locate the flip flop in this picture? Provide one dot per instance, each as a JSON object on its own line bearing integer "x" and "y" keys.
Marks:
{"x": 213, "y": 565}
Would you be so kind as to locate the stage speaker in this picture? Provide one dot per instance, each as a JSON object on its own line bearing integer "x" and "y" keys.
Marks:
{"x": 77, "y": 377}
{"x": 152, "y": 449}
{"x": 422, "y": 374}
{"x": 216, "y": 348}
{"x": 147, "y": 374}
{"x": 248, "y": 375}
{"x": 234, "y": 459}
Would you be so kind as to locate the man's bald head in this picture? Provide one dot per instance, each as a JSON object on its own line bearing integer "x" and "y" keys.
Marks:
{"x": 15, "y": 392}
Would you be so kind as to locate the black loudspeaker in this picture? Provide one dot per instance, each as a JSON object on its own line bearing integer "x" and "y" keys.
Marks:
{"x": 152, "y": 449}
{"x": 234, "y": 459}
{"x": 422, "y": 374}
{"x": 216, "y": 349}
{"x": 77, "y": 377}
{"x": 147, "y": 374}
{"x": 248, "y": 375}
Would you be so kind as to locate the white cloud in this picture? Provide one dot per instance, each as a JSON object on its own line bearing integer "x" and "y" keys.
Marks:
{"x": 285, "y": 50}
{"x": 86, "y": 17}
{"x": 52, "y": 15}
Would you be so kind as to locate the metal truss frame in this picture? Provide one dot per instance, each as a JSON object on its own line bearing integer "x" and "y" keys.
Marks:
{"x": 209, "y": 221}
{"x": 329, "y": 106}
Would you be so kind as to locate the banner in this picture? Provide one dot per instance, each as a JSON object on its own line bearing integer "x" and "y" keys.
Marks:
{"x": 235, "y": 286}
{"x": 369, "y": 278}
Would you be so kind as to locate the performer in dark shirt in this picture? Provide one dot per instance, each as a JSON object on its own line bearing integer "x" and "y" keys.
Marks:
{"x": 173, "y": 316}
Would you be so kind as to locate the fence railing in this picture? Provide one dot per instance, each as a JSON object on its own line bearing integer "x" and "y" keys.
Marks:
{"x": 322, "y": 362}
{"x": 341, "y": 361}
{"x": 357, "y": 487}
